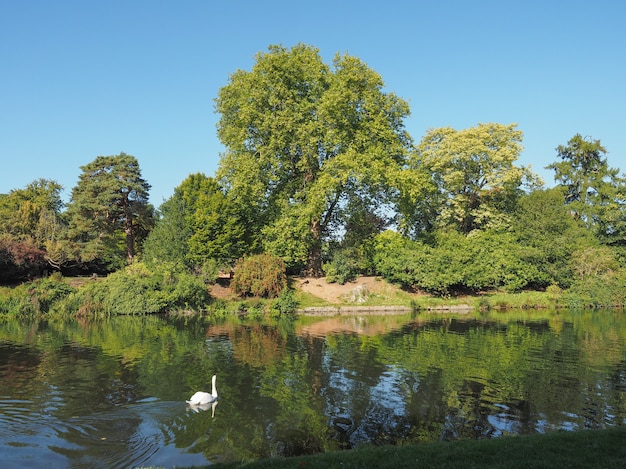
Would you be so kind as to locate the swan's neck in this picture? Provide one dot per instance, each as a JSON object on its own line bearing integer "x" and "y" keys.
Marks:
{"x": 213, "y": 390}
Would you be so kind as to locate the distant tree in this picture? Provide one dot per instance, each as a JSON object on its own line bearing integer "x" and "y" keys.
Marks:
{"x": 32, "y": 213}
{"x": 586, "y": 176}
{"x": 301, "y": 140}
{"x": 168, "y": 242}
{"x": 109, "y": 211}
{"x": 549, "y": 236}
{"x": 197, "y": 224}
{"x": 474, "y": 176}
{"x": 611, "y": 226}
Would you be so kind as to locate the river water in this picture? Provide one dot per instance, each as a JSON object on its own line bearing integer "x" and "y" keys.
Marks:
{"x": 111, "y": 393}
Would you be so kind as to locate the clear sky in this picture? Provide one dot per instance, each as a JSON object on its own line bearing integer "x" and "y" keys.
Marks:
{"x": 82, "y": 78}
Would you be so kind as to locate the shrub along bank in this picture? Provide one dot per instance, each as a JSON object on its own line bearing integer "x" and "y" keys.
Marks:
{"x": 139, "y": 290}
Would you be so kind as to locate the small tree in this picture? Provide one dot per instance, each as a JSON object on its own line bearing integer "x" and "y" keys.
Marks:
{"x": 198, "y": 226}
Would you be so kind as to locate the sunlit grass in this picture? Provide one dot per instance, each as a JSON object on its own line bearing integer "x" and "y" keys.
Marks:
{"x": 583, "y": 449}
{"x": 306, "y": 299}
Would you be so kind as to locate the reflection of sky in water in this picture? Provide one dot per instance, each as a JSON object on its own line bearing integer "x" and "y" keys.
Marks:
{"x": 501, "y": 421}
{"x": 388, "y": 392}
{"x": 122, "y": 437}
{"x": 359, "y": 410}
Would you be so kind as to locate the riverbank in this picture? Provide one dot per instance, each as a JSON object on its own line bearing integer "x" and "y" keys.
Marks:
{"x": 582, "y": 449}
{"x": 374, "y": 295}
{"x": 138, "y": 290}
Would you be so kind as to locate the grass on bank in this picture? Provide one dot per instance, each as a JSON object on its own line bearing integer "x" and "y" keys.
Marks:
{"x": 583, "y": 449}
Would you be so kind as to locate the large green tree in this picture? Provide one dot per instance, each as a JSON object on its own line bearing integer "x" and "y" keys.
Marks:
{"x": 474, "y": 179}
{"x": 302, "y": 139}
{"x": 109, "y": 211}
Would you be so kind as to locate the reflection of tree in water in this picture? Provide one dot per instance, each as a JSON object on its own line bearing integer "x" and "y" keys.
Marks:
{"x": 257, "y": 345}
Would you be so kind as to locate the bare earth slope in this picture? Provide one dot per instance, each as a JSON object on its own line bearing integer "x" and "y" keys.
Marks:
{"x": 334, "y": 293}
{"x": 331, "y": 292}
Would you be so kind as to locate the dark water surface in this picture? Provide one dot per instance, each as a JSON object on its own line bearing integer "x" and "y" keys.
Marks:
{"x": 112, "y": 393}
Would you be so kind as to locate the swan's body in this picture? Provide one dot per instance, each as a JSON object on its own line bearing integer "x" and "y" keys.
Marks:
{"x": 202, "y": 398}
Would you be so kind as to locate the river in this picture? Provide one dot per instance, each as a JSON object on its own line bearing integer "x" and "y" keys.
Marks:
{"x": 111, "y": 393}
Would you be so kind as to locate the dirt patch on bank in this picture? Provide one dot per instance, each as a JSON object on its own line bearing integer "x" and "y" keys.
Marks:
{"x": 331, "y": 292}
{"x": 336, "y": 293}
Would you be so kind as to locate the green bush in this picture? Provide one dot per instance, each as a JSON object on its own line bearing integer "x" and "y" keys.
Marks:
{"x": 50, "y": 291}
{"x": 262, "y": 275}
{"x": 188, "y": 293}
{"x": 343, "y": 267}
{"x": 285, "y": 304}
{"x": 16, "y": 302}
{"x": 604, "y": 290}
{"x": 455, "y": 262}
{"x": 36, "y": 297}
{"x": 138, "y": 290}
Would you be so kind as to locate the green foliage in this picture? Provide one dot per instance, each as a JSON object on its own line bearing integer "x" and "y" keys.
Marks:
{"x": 187, "y": 293}
{"x": 17, "y": 302}
{"x": 217, "y": 231}
{"x": 50, "y": 291}
{"x": 599, "y": 280}
{"x": 548, "y": 235}
{"x": 168, "y": 241}
{"x": 454, "y": 263}
{"x": 209, "y": 271}
{"x": 198, "y": 226}
{"x": 32, "y": 217}
{"x": 593, "y": 192}
{"x": 32, "y": 214}
{"x": 288, "y": 237}
{"x": 286, "y": 304}
{"x": 261, "y": 275}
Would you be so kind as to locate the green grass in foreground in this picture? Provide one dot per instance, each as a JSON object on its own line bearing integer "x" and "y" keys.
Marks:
{"x": 582, "y": 449}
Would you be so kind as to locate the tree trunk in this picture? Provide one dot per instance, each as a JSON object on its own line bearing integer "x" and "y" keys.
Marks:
{"x": 130, "y": 240}
{"x": 314, "y": 263}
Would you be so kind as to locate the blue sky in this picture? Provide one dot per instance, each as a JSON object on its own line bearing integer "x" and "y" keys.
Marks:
{"x": 80, "y": 78}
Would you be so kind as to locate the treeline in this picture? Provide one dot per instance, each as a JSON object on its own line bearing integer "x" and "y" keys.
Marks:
{"x": 320, "y": 175}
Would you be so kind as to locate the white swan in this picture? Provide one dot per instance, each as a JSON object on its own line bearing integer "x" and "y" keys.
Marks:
{"x": 202, "y": 398}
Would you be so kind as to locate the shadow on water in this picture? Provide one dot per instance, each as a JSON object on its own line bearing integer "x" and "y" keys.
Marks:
{"x": 112, "y": 393}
